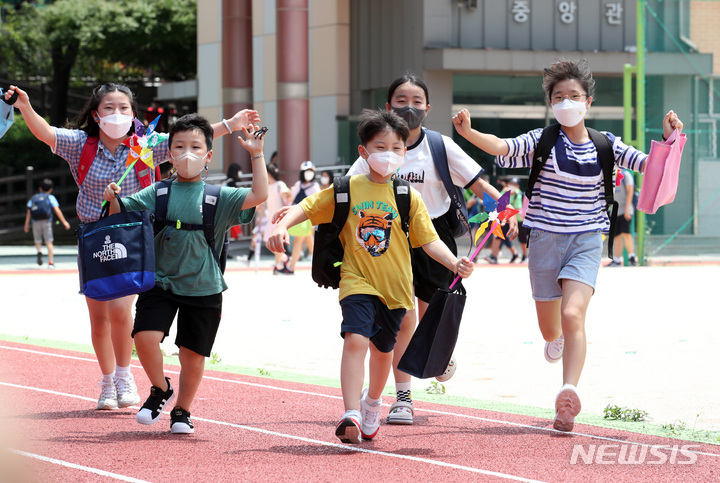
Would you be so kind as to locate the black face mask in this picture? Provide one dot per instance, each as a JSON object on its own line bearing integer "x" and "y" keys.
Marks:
{"x": 412, "y": 115}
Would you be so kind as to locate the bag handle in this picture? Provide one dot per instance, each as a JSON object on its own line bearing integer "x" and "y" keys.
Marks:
{"x": 106, "y": 209}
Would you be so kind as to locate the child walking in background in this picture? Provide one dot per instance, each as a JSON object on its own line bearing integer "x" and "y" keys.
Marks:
{"x": 40, "y": 209}
{"x": 567, "y": 215}
{"x": 302, "y": 233}
{"x": 102, "y": 126}
{"x": 188, "y": 279}
{"x": 376, "y": 272}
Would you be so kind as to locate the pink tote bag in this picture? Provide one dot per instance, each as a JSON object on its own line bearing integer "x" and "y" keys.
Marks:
{"x": 662, "y": 170}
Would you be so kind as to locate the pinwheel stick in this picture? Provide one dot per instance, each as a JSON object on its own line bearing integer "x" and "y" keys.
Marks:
{"x": 122, "y": 178}
{"x": 477, "y": 250}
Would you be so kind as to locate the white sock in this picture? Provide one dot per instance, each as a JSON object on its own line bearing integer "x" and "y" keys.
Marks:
{"x": 109, "y": 377}
{"x": 617, "y": 260}
{"x": 121, "y": 369}
{"x": 402, "y": 386}
{"x": 632, "y": 255}
{"x": 372, "y": 401}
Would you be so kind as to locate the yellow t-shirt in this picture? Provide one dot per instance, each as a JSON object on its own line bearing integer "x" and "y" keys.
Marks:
{"x": 377, "y": 258}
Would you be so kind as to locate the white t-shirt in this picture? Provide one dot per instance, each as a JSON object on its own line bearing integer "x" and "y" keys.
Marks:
{"x": 418, "y": 169}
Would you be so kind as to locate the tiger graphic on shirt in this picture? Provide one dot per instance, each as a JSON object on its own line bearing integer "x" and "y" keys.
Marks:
{"x": 373, "y": 232}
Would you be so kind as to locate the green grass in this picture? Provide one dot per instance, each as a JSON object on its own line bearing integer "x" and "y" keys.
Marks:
{"x": 677, "y": 430}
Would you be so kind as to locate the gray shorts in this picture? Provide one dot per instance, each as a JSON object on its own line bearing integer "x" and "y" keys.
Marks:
{"x": 42, "y": 229}
{"x": 555, "y": 256}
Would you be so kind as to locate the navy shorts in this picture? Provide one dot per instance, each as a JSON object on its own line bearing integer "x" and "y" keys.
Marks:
{"x": 198, "y": 317}
{"x": 366, "y": 315}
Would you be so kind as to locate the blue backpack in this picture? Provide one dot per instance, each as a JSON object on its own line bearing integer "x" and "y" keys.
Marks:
{"x": 210, "y": 199}
{"x": 40, "y": 207}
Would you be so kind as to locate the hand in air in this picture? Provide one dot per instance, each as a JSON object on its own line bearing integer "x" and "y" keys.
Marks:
{"x": 670, "y": 123}
{"x": 461, "y": 121}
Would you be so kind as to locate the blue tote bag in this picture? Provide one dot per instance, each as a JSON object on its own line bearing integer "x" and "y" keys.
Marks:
{"x": 116, "y": 255}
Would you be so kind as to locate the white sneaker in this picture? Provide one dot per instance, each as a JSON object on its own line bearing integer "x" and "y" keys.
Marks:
{"x": 554, "y": 349}
{"x": 127, "y": 394}
{"x": 108, "y": 395}
{"x": 348, "y": 429}
{"x": 370, "y": 416}
{"x": 449, "y": 371}
{"x": 567, "y": 406}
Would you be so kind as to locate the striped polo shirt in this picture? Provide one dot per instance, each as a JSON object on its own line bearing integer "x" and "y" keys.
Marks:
{"x": 569, "y": 195}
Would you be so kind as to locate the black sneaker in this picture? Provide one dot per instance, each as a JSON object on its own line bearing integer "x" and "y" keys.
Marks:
{"x": 523, "y": 259}
{"x": 152, "y": 409}
{"x": 283, "y": 271}
{"x": 39, "y": 258}
{"x": 180, "y": 422}
{"x": 514, "y": 257}
{"x": 633, "y": 261}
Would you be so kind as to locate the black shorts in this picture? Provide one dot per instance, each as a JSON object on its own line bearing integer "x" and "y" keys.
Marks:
{"x": 505, "y": 241}
{"x": 522, "y": 233}
{"x": 622, "y": 225}
{"x": 367, "y": 315}
{"x": 429, "y": 275}
{"x": 198, "y": 317}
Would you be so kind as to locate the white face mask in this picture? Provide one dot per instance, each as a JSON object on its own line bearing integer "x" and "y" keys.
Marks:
{"x": 569, "y": 113}
{"x": 385, "y": 163}
{"x": 309, "y": 175}
{"x": 115, "y": 125}
{"x": 188, "y": 165}
{"x": 324, "y": 180}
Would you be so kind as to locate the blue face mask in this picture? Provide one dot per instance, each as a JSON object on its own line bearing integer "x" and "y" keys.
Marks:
{"x": 7, "y": 112}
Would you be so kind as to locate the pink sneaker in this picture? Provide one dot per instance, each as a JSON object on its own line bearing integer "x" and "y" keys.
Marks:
{"x": 554, "y": 350}
{"x": 567, "y": 406}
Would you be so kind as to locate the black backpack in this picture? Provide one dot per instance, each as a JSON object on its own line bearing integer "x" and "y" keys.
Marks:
{"x": 606, "y": 156}
{"x": 40, "y": 207}
{"x": 328, "y": 252}
{"x": 457, "y": 215}
{"x": 210, "y": 199}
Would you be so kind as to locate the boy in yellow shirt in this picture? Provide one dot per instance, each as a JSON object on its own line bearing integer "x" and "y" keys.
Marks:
{"x": 376, "y": 272}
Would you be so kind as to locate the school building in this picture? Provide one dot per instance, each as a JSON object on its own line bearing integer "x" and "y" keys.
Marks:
{"x": 310, "y": 66}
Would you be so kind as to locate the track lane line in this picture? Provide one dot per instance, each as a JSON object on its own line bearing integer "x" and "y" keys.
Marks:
{"x": 445, "y": 413}
{"x": 356, "y": 449}
{"x": 76, "y": 466}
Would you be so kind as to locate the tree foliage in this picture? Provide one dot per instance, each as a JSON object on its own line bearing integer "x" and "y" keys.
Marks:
{"x": 82, "y": 43}
{"x": 94, "y": 41}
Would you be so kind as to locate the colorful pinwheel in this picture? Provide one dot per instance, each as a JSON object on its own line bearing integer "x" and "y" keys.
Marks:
{"x": 497, "y": 212}
{"x": 141, "y": 143}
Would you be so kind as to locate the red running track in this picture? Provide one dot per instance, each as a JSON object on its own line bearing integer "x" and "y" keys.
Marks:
{"x": 259, "y": 429}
